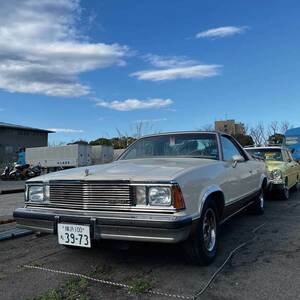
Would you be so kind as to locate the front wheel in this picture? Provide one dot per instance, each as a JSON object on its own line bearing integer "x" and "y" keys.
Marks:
{"x": 285, "y": 193}
{"x": 201, "y": 247}
{"x": 258, "y": 206}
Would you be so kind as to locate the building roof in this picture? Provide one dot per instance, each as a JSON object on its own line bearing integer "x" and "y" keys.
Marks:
{"x": 293, "y": 132}
{"x": 14, "y": 126}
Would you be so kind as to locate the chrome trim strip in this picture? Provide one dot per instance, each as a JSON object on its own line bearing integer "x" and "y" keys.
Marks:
{"x": 241, "y": 198}
{"x": 151, "y": 209}
{"x": 235, "y": 213}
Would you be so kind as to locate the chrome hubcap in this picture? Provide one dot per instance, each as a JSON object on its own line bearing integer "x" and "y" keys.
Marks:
{"x": 210, "y": 229}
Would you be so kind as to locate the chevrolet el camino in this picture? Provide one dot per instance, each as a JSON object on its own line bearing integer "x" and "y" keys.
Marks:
{"x": 169, "y": 188}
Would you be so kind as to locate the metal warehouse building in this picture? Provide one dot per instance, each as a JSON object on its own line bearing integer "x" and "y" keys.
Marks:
{"x": 15, "y": 137}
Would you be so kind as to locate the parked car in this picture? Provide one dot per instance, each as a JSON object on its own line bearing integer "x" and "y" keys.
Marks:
{"x": 170, "y": 188}
{"x": 283, "y": 170}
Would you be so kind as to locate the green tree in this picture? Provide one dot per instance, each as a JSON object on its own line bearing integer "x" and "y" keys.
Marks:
{"x": 276, "y": 139}
{"x": 244, "y": 140}
{"x": 79, "y": 142}
{"x": 101, "y": 141}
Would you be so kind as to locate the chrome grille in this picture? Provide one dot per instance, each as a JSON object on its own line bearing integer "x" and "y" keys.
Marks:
{"x": 90, "y": 195}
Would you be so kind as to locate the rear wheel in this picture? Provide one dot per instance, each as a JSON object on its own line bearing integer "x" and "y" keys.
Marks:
{"x": 201, "y": 247}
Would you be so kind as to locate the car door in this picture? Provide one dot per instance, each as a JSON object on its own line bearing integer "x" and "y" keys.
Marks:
{"x": 292, "y": 169}
{"x": 237, "y": 178}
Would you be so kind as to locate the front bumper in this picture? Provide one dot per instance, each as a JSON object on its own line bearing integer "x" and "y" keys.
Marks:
{"x": 275, "y": 185}
{"x": 130, "y": 227}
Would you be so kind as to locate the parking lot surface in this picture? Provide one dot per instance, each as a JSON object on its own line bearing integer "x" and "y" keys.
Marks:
{"x": 7, "y": 185}
{"x": 8, "y": 203}
{"x": 266, "y": 268}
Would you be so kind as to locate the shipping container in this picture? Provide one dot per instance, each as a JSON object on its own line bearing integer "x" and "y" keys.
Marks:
{"x": 59, "y": 157}
{"x": 102, "y": 154}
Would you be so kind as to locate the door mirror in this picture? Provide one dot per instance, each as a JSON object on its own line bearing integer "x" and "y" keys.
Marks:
{"x": 236, "y": 159}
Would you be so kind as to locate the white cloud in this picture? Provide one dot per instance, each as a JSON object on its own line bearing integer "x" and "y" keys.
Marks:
{"x": 134, "y": 104}
{"x": 221, "y": 32}
{"x": 169, "y": 61}
{"x": 175, "y": 67}
{"x": 66, "y": 130}
{"x": 196, "y": 71}
{"x": 41, "y": 50}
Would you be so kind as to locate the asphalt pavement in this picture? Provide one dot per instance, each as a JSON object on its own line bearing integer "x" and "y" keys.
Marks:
{"x": 10, "y": 185}
{"x": 8, "y": 203}
{"x": 266, "y": 268}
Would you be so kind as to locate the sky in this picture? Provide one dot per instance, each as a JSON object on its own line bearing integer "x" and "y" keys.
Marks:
{"x": 89, "y": 68}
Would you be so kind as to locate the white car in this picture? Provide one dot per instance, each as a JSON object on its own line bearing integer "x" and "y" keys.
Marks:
{"x": 172, "y": 187}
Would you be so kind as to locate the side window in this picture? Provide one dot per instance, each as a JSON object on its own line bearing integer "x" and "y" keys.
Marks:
{"x": 229, "y": 149}
{"x": 285, "y": 155}
{"x": 289, "y": 156}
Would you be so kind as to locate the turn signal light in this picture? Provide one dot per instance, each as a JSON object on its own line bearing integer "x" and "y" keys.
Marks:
{"x": 178, "y": 201}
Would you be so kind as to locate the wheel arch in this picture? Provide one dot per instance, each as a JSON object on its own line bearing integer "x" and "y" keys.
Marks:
{"x": 213, "y": 193}
{"x": 264, "y": 183}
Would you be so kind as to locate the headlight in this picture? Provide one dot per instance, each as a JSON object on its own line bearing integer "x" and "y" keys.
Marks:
{"x": 276, "y": 174}
{"x": 167, "y": 196}
{"x": 37, "y": 193}
{"x": 160, "y": 196}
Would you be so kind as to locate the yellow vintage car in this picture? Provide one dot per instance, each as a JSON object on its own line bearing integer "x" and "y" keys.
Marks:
{"x": 283, "y": 170}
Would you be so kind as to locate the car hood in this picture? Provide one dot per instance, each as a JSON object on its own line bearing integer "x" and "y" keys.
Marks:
{"x": 151, "y": 169}
{"x": 273, "y": 165}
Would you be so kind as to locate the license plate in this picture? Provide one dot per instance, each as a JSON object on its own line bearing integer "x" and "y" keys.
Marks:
{"x": 74, "y": 235}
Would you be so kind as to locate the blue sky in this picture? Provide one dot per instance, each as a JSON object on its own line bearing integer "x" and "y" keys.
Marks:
{"x": 86, "y": 68}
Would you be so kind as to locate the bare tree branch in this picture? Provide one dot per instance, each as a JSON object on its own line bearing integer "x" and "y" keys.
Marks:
{"x": 207, "y": 127}
{"x": 258, "y": 134}
{"x": 284, "y": 126}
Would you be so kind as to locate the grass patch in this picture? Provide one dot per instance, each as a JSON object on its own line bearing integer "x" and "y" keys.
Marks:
{"x": 50, "y": 295}
{"x": 140, "y": 286}
{"x": 73, "y": 289}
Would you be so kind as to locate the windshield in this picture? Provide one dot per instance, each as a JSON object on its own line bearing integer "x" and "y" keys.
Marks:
{"x": 186, "y": 145}
{"x": 267, "y": 154}
{"x": 291, "y": 140}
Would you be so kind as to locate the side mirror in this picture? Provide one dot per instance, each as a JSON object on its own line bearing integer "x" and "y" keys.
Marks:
{"x": 236, "y": 159}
